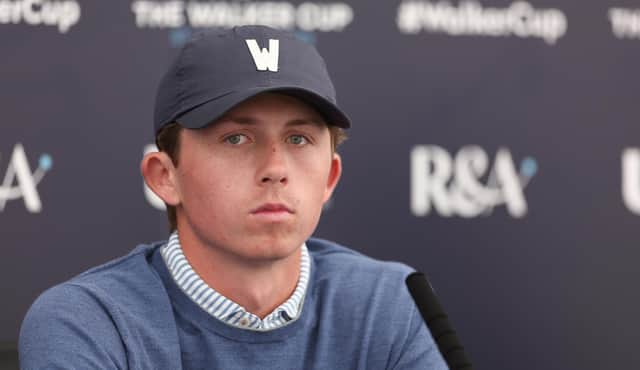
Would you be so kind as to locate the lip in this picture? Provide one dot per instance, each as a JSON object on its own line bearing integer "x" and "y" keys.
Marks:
{"x": 272, "y": 208}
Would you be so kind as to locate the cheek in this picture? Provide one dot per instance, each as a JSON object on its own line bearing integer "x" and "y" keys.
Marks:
{"x": 206, "y": 187}
{"x": 315, "y": 174}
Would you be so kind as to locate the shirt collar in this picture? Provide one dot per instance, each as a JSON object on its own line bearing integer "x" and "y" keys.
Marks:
{"x": 223, "y": 308}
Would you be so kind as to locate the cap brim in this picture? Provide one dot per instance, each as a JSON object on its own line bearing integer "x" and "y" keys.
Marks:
{"x": 206, "y": 113}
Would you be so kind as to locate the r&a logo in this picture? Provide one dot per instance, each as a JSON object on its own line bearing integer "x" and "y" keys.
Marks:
{"x": 452, "y": 186}
{"x": 151, "y": 197}
{"x": 18, "y": 172}
{"x": 631, "y": 179}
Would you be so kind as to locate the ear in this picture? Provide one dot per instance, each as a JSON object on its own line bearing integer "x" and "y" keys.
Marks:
{"x": 334, "y": 176}
{"x": 159, "y": 173}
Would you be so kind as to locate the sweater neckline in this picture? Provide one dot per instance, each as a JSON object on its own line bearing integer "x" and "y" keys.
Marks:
{"x": 224, "y": 308}
{"x": 193, "y": 313}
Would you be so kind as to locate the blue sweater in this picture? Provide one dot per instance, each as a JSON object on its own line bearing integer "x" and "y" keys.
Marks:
{"x": 130, "y": 314}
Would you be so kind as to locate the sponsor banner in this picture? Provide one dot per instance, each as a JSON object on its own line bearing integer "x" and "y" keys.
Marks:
{"x": 20, "y": 183}
{"x": 453, "y": 186}
{"x": 470, "y": 18}
{"x": 61, "y": 15}
{"x": 308, "y": 16}
{"x": 625, "y": 23}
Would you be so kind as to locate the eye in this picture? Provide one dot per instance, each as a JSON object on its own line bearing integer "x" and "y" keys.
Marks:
{"x": 297, "y": 140}
{"x": 236, "y": 139}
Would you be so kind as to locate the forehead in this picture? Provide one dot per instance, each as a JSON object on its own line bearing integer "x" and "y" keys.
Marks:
{"x": 269, "y": 105}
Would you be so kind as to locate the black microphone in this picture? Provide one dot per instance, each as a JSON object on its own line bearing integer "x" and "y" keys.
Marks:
{"x": 437, "y": 322}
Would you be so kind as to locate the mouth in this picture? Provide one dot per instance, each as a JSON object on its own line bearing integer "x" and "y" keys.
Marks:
{"x": 272, "y": 208}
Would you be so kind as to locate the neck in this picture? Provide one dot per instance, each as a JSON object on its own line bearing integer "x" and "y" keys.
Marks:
{"x": 258, "y": 286}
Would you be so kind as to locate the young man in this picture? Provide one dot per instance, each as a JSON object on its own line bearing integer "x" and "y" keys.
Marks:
{"x": 247, "y": 124}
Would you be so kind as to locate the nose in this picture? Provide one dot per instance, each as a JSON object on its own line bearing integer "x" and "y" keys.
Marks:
{"x": 274, "y": 168}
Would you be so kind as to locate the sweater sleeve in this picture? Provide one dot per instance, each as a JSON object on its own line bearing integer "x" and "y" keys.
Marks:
{"x": 419, "y": 352}
{"x": 68, "y": 328}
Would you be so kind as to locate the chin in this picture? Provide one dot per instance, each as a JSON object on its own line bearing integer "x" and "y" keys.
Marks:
{"x": 274, "y": 248}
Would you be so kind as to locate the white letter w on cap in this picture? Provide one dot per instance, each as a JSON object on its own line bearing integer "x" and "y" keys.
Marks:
{"x": 265, "y": 59}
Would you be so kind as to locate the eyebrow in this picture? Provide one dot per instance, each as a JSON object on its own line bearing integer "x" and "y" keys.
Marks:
{"x": 253, "y": 121}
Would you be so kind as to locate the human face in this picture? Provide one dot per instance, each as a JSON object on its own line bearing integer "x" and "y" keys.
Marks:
{"x": 253, "y": 183}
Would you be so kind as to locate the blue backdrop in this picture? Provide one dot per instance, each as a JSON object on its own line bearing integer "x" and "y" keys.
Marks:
{"x": 495, "y": 146}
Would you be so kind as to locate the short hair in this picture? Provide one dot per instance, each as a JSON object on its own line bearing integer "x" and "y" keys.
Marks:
{"x": 168, "y": 141}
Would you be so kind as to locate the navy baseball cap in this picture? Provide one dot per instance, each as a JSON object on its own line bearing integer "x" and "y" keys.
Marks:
{"x": 217, "y": 69}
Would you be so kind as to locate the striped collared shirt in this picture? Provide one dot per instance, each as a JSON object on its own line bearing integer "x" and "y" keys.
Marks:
{"x": 222, "y": 307}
